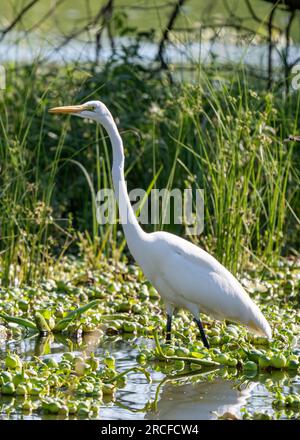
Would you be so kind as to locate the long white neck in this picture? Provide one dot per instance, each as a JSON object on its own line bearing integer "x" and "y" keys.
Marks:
{"x": 133, "y": 232}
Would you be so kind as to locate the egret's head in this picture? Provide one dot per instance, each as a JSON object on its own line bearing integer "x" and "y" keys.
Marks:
{"x": 95, "y": 110}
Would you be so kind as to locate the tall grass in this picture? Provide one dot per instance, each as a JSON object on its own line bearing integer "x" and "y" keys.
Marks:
{"x": 235, "y": 138}
{"x": 27, "y": 182}
{"x": 225, "y": 136}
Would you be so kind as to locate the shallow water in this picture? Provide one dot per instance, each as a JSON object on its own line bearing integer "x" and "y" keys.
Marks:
{"x": 23, "y": 48}
{"x": 195, "y": 397}
{"x": 49, "y": 40}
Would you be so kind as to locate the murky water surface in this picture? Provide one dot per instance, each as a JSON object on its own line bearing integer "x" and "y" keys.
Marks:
{"x": 192, "y": 397}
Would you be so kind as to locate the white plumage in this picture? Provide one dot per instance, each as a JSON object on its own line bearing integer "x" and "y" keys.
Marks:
{"x": 187, "y": 276}
{"x": 183, "y": 274}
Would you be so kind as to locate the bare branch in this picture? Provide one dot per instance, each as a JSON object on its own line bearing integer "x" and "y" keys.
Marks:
{"x": 46, "y": 16}
{"x": 165, "y": 36}
{"x": 256, "y": 18}
{"x": 18, "y": 18}
{"x": 107, "y": 12}
{"x": 271, "y": 44}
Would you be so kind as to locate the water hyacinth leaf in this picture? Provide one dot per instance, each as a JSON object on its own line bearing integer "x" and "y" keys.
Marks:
{"x": 133, "y": 369}
{"x": 46, "y": 313}
{"x": 41, "y": 323}
{"x": 20, "y": 321}
{"x": 63, "y": 323}
{"x": 83, "y": 309}
{"x": 197, "y": 355}
{"x": 63, "y": 287}
{"x": 203, "y": 362}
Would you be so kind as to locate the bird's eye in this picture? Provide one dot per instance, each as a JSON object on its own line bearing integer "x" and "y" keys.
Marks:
{"x": 91, "y": 108}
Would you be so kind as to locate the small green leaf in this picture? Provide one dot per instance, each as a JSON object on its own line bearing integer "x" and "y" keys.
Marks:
{"x": 21, "y": 321}
{"x": 63, "y": 323}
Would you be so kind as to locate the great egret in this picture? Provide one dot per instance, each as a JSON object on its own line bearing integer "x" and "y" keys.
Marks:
{"x": 184, "y": 275}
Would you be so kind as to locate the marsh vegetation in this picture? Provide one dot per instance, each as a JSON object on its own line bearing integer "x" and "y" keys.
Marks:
{"x": 81, "y": 330}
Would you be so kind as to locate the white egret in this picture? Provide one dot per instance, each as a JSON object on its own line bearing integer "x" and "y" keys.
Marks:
{"x": 184, "y": 275}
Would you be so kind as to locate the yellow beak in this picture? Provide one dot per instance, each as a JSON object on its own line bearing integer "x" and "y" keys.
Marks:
{"x": 67, "y": 109}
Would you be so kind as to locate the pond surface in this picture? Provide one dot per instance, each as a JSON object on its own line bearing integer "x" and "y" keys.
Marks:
{"x": 41, "y": 35}
{"x": 22, "y": 48}
{"x": 192, "y": 397}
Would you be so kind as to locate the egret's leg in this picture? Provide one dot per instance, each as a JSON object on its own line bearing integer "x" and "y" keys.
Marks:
{"x": 203, "y": 337}
{"x": 170, "y": 311}
{"x": 169, "y": 327}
